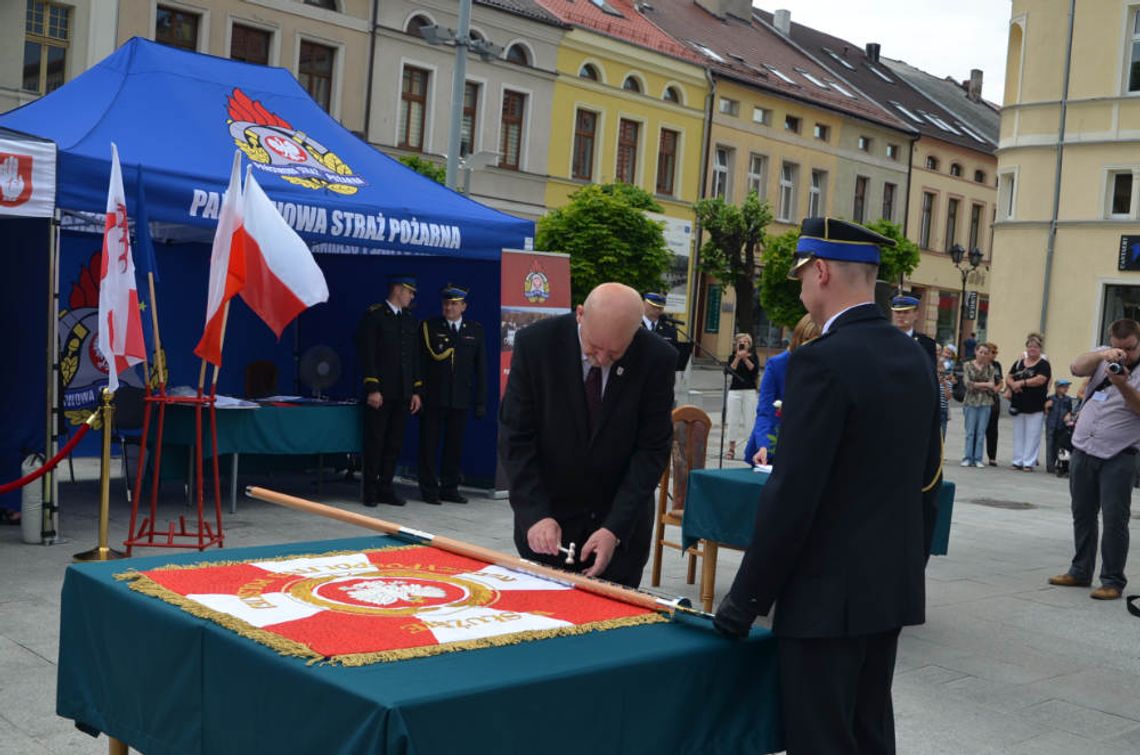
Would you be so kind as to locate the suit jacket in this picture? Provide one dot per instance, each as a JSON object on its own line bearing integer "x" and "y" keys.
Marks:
{"x": 454, "y": 367}
{"x": 844, "y": 523}
{"x": 558, "y": 468}
{"x": 389, "y": 355}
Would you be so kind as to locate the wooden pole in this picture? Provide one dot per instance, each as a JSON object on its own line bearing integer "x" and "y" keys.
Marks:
{"x": 159, "y": 357}
{"x": 588, "y": 584}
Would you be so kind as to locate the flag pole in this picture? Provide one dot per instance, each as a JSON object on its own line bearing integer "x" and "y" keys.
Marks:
{"x": 159, "y": 355}
{"x": 103, "y": 552}
{"x": 458, "y": 547}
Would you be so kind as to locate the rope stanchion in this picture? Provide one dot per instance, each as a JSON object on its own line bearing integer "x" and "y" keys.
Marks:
{"x": 50, "y": 464}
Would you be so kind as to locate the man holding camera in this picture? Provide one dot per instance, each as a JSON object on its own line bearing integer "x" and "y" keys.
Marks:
{"x": 1104, "y": 460}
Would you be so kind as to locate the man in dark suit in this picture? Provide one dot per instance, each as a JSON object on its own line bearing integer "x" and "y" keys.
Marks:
{"x": 454, "y": 368}
{"x": 387, "y": 346}
{"x": 584, "y": 434}
{"x": 652, "y": 317}
{"x": 843, "y": 529}
{"x": 904, "y": 313}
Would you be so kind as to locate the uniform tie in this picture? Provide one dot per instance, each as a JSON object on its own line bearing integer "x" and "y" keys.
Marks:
{"x": 594, "y": 395}
{"x": 455, "y": 328}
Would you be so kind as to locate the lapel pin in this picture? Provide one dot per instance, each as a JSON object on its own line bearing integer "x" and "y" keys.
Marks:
{"x": 620, "y": 371}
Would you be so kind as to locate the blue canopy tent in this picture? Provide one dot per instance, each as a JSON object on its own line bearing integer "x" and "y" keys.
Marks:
{"x": 177, "y": 118}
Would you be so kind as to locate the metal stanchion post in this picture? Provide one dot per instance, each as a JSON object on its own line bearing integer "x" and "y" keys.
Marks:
{"x": 103, "y": 552}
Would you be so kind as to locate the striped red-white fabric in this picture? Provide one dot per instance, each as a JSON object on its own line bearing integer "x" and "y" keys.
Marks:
{"x": 281, "y": 277}
{"x": 227, "y": 268}
{"x": 120, "y": 338}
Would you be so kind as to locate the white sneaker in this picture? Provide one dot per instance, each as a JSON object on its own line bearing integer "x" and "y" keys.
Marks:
{"x": 965, "y": 462}
{"x": 979, "y": 465}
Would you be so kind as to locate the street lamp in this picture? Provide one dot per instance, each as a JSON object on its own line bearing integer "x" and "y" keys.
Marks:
{"x": 958, "y": 255}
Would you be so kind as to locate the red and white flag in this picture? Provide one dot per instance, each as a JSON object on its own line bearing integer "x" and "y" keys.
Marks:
{"x": 120, "y": 338}
{"x": 282, "y": 279}
{"x": 227, "y": 268}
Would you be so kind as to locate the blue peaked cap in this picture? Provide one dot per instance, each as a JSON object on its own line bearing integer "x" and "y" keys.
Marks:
{"x": 408, "y": 281}
{"x": 452, "y": 292}
{"x": 903, "y": 302}
{"x": 656, "y": 299}
{"x": 833, "y": 239}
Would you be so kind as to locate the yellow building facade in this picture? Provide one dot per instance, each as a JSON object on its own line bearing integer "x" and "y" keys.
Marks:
{"x": 1069, "y": 284}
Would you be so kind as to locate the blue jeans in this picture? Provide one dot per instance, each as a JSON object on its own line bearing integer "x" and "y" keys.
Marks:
{"x": 977, "y": 418}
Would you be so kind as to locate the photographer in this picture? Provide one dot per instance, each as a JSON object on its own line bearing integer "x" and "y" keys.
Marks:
{"x": 1026, "y": 390}
{"x": 1104, "y": 460}
{"x": 744, "y": 369}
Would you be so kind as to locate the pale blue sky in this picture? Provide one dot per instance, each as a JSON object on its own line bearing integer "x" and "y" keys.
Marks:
{"x": 942, "y": 37}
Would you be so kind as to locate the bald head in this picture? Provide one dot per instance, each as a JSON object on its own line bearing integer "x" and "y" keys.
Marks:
{"x": 609, "y": 318}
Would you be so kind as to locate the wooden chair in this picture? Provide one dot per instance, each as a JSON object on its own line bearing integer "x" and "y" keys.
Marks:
{"x": 691, "y": 426}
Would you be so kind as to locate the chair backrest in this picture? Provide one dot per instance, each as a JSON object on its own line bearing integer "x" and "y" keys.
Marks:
{"x": 260, "y": 379}
{"x": 129, "y": 407}
{"x": 691, "y": 427}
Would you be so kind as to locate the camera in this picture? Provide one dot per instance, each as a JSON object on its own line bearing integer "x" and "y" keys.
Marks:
{"x": 1115, "y": 368}
{"x": 1021, "y": 375}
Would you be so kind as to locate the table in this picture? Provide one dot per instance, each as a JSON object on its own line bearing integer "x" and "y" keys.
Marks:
{"x": 720, "y": 509}
{"x": 164, "y": 681}
{"x": 310, "y": 428}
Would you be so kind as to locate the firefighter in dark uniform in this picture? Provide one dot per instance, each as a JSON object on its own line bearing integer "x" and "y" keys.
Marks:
{"x": 904, "y": 312}
{"x": 652, "y": 320}
{"x": 386, "y": 341}
{"x": 455, "y": 380}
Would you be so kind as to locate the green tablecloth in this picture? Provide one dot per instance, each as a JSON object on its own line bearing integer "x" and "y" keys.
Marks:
{"x": 163, "y": 681}
{"x": 721, "y": 506}
{"x": 300, "y": 429}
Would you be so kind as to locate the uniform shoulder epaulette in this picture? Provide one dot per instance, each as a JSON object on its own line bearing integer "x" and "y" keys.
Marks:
{"x": 376, "y": 306}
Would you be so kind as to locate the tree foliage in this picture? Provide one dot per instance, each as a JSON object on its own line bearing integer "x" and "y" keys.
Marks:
{"x": 779, "y": 296}
{"x": 424, "y": 167}
{"x": 730, "y": 252}
{"x": 900, "y": 261}
{"x": 608, "y": 236}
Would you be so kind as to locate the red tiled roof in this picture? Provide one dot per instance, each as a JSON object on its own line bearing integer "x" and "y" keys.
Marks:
{"x": 746, "y": 47}
{"x": 630, "y": 26}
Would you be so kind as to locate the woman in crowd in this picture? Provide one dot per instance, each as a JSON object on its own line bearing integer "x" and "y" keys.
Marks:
{"x": 995, "y": 412}
{"x": 1027, "y": 386}
{"x": 745, "y": 369}
{"x": 761, "y": 444}
{"x": 978, "y": 378}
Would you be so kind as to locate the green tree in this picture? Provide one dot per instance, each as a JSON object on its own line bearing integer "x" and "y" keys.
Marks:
{"x": 424, "y": 167}
{"x": 900, "y": 261}
{"x": 608, "y": 236}
{"x": 779, "y": 296}
{"x": 730, "y": 253}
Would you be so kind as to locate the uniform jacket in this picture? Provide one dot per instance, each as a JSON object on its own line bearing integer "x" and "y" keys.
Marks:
{"x": 389, "y": 353}
{"x": 929, "y": 346}
{"x": 844, "y": 523}
{"x": 555, "y": 465}
{"x": 666, "y": 330}
{"x": 454, "y": 368}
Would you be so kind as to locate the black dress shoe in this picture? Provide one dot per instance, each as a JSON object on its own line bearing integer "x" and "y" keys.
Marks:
{"x": 370, "y": 502}
{"x": 431, "y": 498}
{"x": 452, "y": 496}
{"x": 392, "y": 499}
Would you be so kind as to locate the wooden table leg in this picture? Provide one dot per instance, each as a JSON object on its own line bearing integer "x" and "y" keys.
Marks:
{"x": 117, "y": 746}
{"x": 708, "y": 575}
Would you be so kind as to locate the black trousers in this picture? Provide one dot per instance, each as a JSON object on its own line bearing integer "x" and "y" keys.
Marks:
{"x": 628, "y": 562}
{"x": 383, "y": 436}
{"x": 451, "y": 424}
{"x": 991, "y": 432}
{"x": 836, "y": 694}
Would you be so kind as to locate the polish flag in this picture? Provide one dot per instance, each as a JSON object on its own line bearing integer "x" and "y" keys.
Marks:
{"x": 120, "y": 338}
{"x": 227, "y": 268}
{"x": 281, "y": 277}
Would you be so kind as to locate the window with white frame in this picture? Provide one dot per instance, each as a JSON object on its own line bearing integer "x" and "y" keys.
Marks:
{"x": 629, "y": 133}
{"x": 792, "y": 124}
{"x": 951, "y": 223}
{"x": 1007, "y": 195}
{"x": 859, "y": 208}
{"x": 47, "y": 37}
{"x": 722, "y": 173}
{"x": 758, "y": 174}
{"x": 511, "y": 129}
{"x": 865, "y": 143}
{"x": 976, "y": 211}
{"x": 1134, "y": 53}
{"x": 893, "y": 151}
{"x": 728, "y": 106}
{"x": 413, "y": 108}
{"x": 817, "y": 194}
{"x": 789, "y": 177}
{"x": 762, "y": 115}
{"x": 175, "y": 27}
{"x": 889, "y": 192}
{"x": 927, "y": 219}
{"x": 1119, "y": 193}
{"x": 822, "y": 132}
{"x": 315, "y": 66}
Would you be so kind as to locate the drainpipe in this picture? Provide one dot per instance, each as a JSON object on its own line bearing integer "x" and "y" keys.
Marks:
{"x": 694, "y": 306}
{"x": 906, "y": 200}
{"x": 371, "y": 67}
{"x": 1051, "y": 240}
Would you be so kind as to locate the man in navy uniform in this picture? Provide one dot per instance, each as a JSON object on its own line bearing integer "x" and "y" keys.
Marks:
{"x": 386, "y": 342}
{"x": 842, "y": 529}
{"x": 904, "y": 312}
{"x": 455, "y": 380}
{"x": 652, "y": 317}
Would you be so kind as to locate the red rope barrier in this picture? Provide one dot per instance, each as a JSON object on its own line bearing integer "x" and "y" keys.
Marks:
{"x": 51, "y": 463}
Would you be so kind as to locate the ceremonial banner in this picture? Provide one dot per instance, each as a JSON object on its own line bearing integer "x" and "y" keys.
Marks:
{"x": 27, "y": 177}
{"x": 360, "y": 607}
{"x": 535, "y": 285}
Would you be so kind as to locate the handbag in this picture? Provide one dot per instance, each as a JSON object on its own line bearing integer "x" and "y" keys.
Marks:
{"x": 959, "y": 391}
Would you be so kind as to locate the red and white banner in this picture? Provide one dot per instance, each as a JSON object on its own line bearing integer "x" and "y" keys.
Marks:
{"x": 384, "y": 605}
{"x": 27, "y": 177}
{"x": 227, "y": 268}
{"x": 120, "y": 321}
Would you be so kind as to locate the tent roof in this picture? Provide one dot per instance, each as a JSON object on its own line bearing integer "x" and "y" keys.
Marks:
{"x": 177, "y": 118}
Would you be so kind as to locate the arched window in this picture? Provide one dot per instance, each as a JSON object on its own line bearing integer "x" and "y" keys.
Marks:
{"x": 477, "y": 36}
{"x": 979, "y": 176}
{"x": 589, "y": 71}
{"x": 329, "y": 4}
{"x": 956, "y": 170}
{"x": 932, "y": 163}
{"x": 631, "y": 85}
{"x": 416, "y": 24}
{"x": 518, "y": 55}
{"x": 671, "y": 95}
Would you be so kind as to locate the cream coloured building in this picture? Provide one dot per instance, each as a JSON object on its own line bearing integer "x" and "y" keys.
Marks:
{"x": 1071, "y": 282}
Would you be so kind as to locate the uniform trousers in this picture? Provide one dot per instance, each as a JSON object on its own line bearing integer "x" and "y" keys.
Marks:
{"x": 451, "y": 424}
{"x": 383, "y": 436}
{"x": 836, "y": 694}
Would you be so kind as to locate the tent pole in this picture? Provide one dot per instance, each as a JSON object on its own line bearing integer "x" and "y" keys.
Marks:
{"x": 51, "y": 436}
